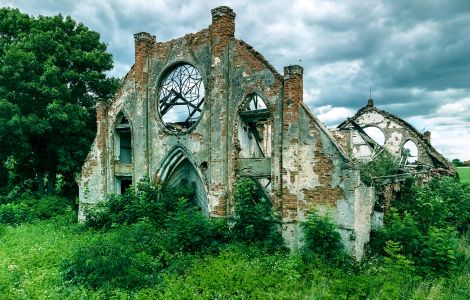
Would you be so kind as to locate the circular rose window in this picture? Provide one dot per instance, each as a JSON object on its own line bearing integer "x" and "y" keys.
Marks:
{"x": 181, "y": 98}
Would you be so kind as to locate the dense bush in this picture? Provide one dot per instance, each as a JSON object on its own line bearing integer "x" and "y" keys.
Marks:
{"x": 28, "y": 208}
{"x": 127, "y": 258}
{"x": 442, "y": 203}
{"x": 254, "y": 220}
{"x": 188, "y": 231}
{"x": 15, "y": 213}
{"x": 145, "y": 200}
{"x": 433, "y": 251}
{"x": 321, "y": 238}
{"x": 151, "y": 229}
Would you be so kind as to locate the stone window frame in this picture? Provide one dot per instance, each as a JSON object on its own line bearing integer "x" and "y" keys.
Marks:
{"x": 161, "y": 78}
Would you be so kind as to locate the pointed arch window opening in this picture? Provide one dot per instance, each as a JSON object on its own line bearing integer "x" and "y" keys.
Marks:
{"x": 180, "y": 172}
{"x": 256, "y": 126}
{"x": 255, "y": 136}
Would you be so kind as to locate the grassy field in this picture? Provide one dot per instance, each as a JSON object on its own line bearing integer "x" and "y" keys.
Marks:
{"x": 31, "y": 256}
{"x": 464, "y": 173}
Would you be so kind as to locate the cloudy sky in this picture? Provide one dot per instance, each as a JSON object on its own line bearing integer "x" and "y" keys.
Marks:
{"x": 414, "y": 54}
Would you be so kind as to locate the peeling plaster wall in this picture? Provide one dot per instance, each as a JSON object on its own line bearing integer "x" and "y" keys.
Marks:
{"x": 308, "y": 168}
{"x": 397, "y": 132}
{"x": 324, "y": 181}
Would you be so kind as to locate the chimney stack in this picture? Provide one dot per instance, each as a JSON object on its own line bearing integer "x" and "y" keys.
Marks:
{"x": 427, "y": 136}
{"x": 223, "y": 21}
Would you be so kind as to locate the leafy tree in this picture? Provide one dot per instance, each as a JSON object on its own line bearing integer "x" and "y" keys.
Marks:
{"x": 52, "y": 72}
{"x": 457, "y": 163}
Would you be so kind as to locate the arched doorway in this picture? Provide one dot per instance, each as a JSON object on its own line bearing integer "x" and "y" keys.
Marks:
{"x": 178, "y": 170}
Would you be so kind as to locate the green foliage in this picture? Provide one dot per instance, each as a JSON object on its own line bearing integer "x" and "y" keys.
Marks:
{"x": 28, "y": 208}
{"x": 15, "y": 213}
{"x": 142, "y": 201}
{"x": 383, "y": 165}
{"x": 440, "y": 203}
{"x": 52, "y": 73}
{"x": 457, "y": 163}
{"x": 254, "y": 220}
{"x": 188, "y": 231}
{"x": 151, "y": 230}
{"x": 239, "y": 271}
{"x": 432, "y": 252}
{"x": 126, "y": 258}
{"x": 439, "y": 254}
{"x": 464, "y": 174}
{"x": 320, "y": 237}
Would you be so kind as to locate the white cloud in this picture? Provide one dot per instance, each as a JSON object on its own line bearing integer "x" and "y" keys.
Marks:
{"x": 333, "y": 115}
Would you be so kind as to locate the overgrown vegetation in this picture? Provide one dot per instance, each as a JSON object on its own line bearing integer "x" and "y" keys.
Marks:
{"x": 154, "y": 229}
{"x": 28, "y": 208}
{"x": 424, "y": 224}
{"x": 254, "y": 221}
{"x": 383, "y": 165}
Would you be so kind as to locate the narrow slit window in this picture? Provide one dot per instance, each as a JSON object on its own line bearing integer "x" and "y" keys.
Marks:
{"x": 123, "y": 130}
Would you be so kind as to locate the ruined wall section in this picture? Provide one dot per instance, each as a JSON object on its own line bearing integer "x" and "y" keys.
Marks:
{"x": 195, "y": 50}
{"x": 329, "y": 184}
{"x": 251, "y": 74}
{"x": 92, "y": 181}
{"x": 397, "y": 132}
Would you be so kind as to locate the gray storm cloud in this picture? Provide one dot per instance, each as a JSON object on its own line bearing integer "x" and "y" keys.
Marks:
{"x": 413, "y": 54}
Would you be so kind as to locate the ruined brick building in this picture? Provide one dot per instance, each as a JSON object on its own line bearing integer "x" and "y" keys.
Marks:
{"x": 208, "y": 108}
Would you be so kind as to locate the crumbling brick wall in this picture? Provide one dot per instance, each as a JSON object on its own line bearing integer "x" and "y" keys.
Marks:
{"x": 307, "y": 169}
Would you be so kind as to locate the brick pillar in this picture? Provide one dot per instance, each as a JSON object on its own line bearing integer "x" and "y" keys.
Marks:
{"x": 144, "y": 42}
{"x": 293, "y": 93}
{"x": 427, "y": 136}
{"x": 144, "y": 45}
{"x": 293, "y": 97}
{"x": 223, "y": 26}
{"x": 222, "y": 31}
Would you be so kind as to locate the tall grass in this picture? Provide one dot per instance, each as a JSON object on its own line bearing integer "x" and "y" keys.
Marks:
{"x": 31, "y": 254}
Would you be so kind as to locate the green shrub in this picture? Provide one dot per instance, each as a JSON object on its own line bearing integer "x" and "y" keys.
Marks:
{"x": 254, "y": 220}
{"x": 127, "y": 258}
{"x": 401, "y": 229}
{"x": 321, "y": 238}
{"x": 49, "y": 206}
{"x": 15, "y": 213}
{"x": 439, "y": 254}
{"x": 188, "y": 231}
{"x": 28, "y": 208}
{"x": 432, "y": 252}
{"x": 142, "y": 201}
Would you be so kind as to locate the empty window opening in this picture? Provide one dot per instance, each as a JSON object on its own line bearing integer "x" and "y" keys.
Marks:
{"x": 410, "y": 151}
{"x": 123, "y": 183}
{"x": 181, "y": 98}
{"x": 254, "y": 132}
{"x": 124, "y": 140}
{"x": 375, "y": 134}
{"x": 255, "y": 135}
